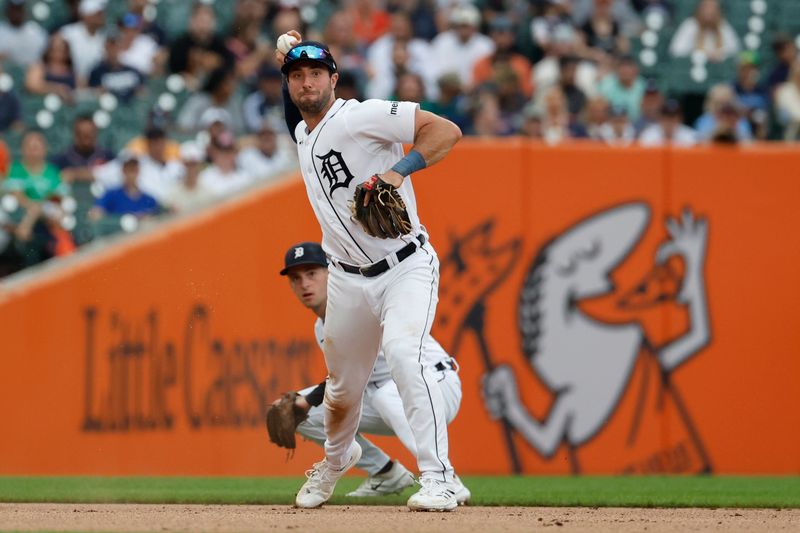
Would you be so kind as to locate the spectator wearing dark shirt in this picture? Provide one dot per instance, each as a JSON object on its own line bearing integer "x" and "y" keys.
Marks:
{"x": 647, "y": 6}
{"x": 200, "y": 50}
{"x": 452, "y": 103}
{"x": 55, "y": 72}
{"x": 751, "y": 93}
{"x": 602, "y": 33}
{"x": 77, "y": 161}
{"x": 348, "y": 88}
{"x": 127, "y": 199}
{"x": 651, "y": 107}
{"x": 111, "y": 76}
{"x": 266, "y": 100}
{"x": 244, "y": 39}
{"x": 10, "y": 108}
{"x": 785, "y": 52}
{"x": 576, "y": 99}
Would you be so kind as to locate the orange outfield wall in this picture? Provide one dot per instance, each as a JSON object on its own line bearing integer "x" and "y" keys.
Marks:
{"x": 159, "y": 354}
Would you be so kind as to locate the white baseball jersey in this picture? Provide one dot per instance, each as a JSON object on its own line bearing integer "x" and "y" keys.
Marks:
{"x": 433, "y": 354}
{"x": 346, "y": 148}
{"x": 392, "y": 312}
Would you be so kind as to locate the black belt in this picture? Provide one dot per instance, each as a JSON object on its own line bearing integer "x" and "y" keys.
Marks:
{"x": 444, "y": 365}
{"x": 376, "y": 269}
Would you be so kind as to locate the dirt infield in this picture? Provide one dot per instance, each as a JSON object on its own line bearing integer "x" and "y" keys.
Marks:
{"x": 346, "y": 519}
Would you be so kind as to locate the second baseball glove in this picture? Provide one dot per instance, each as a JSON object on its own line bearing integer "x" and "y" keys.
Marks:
{"x": 283, "y": 418}
{"x": 385, "y": 214}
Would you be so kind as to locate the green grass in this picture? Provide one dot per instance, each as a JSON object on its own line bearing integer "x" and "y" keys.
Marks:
{"x": 705, "y": 491}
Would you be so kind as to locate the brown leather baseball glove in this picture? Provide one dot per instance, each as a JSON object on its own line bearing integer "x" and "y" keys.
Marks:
{"x": 283, "y": 418}
{"x": 380, "y": 210}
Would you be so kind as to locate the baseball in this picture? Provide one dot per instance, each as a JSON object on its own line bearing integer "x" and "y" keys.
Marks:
{"x": 286, "y": 42}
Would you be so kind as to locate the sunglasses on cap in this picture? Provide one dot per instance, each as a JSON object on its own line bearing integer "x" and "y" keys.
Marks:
{"x": 309, "y": 51}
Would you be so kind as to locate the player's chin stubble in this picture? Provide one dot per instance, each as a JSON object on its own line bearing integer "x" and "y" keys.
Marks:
{"x": 314, "y": 107}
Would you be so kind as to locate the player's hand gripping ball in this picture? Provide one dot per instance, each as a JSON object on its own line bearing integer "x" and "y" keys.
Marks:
{"x": 380, "y": 210}
{"x": 286, "y": 42}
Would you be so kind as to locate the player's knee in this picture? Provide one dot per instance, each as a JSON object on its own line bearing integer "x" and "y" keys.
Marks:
{"x": 402, "y": 357}
{"x": 401, "y": 349}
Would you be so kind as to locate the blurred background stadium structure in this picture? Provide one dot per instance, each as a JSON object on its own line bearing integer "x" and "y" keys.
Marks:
{"x": 122, "y": 111}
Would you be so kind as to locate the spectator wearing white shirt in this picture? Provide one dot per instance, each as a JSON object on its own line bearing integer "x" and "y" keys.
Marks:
{"x": 189, "y": 193}
{"x": 157, "y": 173}
{"x": 224, "y": 177}
{"x": 554, "y": 19}
{"x": 137, "y": 50}
{"x": 382, "y": 86}
{"x": 787, "y": 103}
{"x": 381, "y": 53}
{"x": 219, "y": 93}
{"x": 546, "y": 73}
{"x": 459, "y": 48}
{"x": 623, "y": 12}
{"x": 272, "y": 155}
{"x": 595, "y": 116}
{"x": 86, "y": 38}
{"x": 707, "y": 32}
{"x": 618, "y": 131}
{"x": 21, "y": 42}
{"x": 670, "y": 129}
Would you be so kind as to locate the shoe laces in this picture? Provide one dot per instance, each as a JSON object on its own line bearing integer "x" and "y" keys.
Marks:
{"x": 433, "y": 487}
{"x": 317, "y": 472}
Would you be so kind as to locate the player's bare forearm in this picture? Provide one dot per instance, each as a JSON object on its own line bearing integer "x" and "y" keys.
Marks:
{"x": 434, "y": 137}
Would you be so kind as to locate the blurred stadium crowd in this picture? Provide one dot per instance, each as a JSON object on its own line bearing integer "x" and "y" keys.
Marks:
{"x": 116, "y": 111}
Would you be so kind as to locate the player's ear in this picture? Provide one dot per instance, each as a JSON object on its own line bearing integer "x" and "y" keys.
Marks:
{"x": 334, "y": 79}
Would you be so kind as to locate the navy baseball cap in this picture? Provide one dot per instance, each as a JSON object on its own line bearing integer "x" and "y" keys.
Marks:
{"x": 304, "y": 253}
{"x": 309, "y": 51}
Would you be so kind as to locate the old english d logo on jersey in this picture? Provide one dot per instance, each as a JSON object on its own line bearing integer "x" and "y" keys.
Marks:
{"x": 335, "y": 170}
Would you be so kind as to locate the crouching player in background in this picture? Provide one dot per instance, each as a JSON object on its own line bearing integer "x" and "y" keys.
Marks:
{"x": 382, "y": 412}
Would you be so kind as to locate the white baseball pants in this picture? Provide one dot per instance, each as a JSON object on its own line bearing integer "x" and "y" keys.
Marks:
{"x": 382, "y": 414}
{"x": 393, "y": 311}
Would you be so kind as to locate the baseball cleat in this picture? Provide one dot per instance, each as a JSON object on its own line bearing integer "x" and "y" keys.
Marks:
{"x": 434, "y": 495}
{"x": 396, "y": 480}
{"x": 463, "y": 494}
{"x": 321, "y": 481}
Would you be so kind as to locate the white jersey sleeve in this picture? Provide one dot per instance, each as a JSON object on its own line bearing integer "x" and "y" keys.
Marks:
{"x": 375, "y": 123}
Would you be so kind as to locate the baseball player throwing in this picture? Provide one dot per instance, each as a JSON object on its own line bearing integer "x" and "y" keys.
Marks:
{"x": 382, "y": 413}
{"x": 382, "y": 292}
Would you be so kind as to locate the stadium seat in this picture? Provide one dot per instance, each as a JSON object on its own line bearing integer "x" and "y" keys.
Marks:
{"x": 225, "y": 12}
{"x": 83, "y": 231}
{"x": 108, "y": 225}
{"x": 173, "y": 16}
{"x": 683, "y": 10}
{"x": 787, "y": 16}
{"x": 17, "y": 74}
